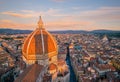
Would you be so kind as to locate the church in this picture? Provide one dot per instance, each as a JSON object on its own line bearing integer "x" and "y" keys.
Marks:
{"x": 39, "y": 52}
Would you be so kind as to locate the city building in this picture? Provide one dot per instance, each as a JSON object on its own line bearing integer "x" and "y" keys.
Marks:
{"x": 40, "y": 52}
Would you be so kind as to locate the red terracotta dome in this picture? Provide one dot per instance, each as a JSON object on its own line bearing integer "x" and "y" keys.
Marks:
{"x": 39, "y": 44}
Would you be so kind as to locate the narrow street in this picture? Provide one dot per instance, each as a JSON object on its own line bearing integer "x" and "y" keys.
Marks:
{"x": 72, "y": 74}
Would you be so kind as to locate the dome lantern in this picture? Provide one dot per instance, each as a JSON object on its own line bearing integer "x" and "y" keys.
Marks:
{"x": 40, "y": 23}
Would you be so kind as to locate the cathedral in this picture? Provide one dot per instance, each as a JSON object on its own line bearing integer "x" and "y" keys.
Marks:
{"x": 40, "y": 53}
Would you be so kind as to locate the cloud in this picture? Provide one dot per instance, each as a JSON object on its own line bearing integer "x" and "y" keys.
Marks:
{"x": 27, "y": 11}
{"x": 15, "y": 14}
{"x": 103, "y": 10}
{"x": 15, "y": 25}
{"x": 6, "y": 21}
{"x": 103, "y": 14}
{"x": 68, "y": 24}
{"x": 31, "y": 13}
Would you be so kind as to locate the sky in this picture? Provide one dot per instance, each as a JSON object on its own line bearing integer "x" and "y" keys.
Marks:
{"x": 60, "y": 14}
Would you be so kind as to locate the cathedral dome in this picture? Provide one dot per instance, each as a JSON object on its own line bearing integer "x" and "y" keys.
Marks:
{"x": 40, "y": 44}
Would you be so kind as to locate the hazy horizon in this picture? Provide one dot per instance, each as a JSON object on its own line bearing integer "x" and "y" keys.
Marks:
{"x": 62, "y": 30}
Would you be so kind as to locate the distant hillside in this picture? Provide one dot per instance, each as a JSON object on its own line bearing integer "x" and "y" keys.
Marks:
{"x": 17, "y": 31}
{"x": 12, "y": 31}
{"x": 70, "y": 31}
{"x": 109, "y": 33}
{"x": 105, "y": 31}
{"x": 99, "y": 32}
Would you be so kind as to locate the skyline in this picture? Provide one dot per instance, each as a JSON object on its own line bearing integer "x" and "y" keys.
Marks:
{"x": 60, "y": 14}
